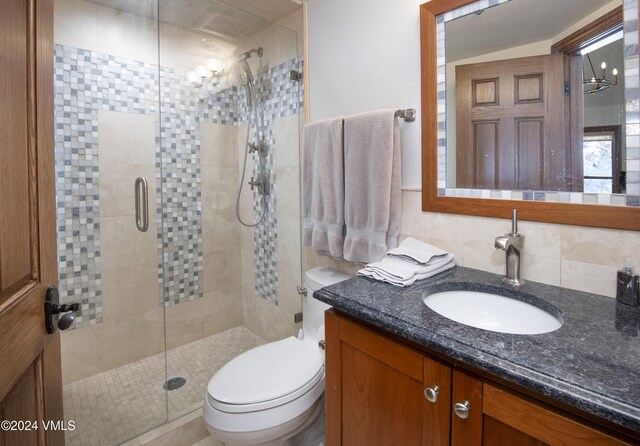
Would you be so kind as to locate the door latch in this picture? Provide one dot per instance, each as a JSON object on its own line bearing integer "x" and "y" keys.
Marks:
{"x": 57, "y": 315}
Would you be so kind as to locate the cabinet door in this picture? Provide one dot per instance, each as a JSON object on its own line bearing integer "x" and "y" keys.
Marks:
{"x": 436, "y": 412}
{"x": 374, "y": 388}
{"x": 509, "y": 416}
{"x": 466, "y": 410}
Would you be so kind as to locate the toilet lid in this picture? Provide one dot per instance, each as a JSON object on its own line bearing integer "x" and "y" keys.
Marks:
{"x": 267, "y": 373}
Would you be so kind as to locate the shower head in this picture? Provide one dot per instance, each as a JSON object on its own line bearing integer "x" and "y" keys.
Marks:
{"x": 245, "y": 77}
{"x": 247, "y": 54}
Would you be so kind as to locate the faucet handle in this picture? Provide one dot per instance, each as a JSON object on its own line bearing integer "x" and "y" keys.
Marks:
{"x": 514, "y": 222}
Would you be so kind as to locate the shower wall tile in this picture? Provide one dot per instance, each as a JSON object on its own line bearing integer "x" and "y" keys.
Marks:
{"x": 220, "y": 232}
{"x": 221, "y": 271}
{"x": 288, "y": 186}
{"x": 218, "y": 145}
{"x": 278, "y": 96}
{"x": 280, "y": 45}
{"x": 122, "y": 244}
{"x": 117, "y": 196}
{"x": 106, "y": 113}
{"x": 82, "y": 352}
{"x": 128, "y": 35}
{"x": 222, "y": 311}
{"x": 288, "y": 131}
{"x": 129, "y": 289}
{"x": 127, "y": 138}
{"x": 76, "y": 24}
{"x": 184, "y": 323}
{"x": 295, "y": 22}
{"x": 147, "y": 329}
{"x": 179, "y": 213}
{"x": 289, "y": 260}
{"x": 77, "y": 202}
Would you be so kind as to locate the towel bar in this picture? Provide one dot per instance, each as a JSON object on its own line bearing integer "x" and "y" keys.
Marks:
{"x": 408, "y": 114}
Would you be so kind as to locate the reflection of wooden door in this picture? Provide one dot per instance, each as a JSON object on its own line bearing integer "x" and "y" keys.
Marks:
{"x": 30, "y": 374}
{"x": 511, "y": 127}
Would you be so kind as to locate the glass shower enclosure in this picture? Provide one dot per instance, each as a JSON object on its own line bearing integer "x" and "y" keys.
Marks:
{"x": 158, "y": 103}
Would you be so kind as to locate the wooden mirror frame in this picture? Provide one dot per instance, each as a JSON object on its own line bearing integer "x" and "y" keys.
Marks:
{"x": 602, "y": 216}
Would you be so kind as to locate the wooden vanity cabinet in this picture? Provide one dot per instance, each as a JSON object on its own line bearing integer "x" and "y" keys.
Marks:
{"x": 375, "y": 390}
{"x": 382, "y": 392}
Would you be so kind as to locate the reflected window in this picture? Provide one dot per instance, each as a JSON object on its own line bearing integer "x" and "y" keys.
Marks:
{"x": 601, "y": 160}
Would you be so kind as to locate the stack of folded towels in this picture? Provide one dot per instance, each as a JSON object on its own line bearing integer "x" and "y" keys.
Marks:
{"x": 412, "y": 260}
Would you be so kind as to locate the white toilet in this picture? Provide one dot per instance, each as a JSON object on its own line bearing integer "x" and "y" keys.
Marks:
{"x": 272, "y": 394}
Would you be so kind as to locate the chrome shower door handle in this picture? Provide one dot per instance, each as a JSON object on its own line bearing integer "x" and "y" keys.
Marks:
{"x": 142, "y": 204}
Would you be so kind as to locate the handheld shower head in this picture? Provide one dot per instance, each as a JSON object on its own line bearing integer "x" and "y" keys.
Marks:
{"x": 245, "y": 76}
{"x": 247, "y": 54}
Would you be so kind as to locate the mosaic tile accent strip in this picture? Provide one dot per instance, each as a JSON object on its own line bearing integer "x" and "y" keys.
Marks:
{"x": 179, "y": 211}
{"x": 632, "y": 116}
{"x": 277, "y": 96}
{"x": 87, "y": 82}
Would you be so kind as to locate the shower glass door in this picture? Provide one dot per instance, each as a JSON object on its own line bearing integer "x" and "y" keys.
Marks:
{"x": 226, "y": 92}
{"x": 107, "y": 164}
{"x": 156, "y": 107}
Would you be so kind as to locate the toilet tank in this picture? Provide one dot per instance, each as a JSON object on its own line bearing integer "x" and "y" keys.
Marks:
{"x": 312, "y": 309}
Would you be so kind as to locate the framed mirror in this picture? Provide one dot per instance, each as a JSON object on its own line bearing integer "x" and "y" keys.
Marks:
{"x": 532, "y": 105}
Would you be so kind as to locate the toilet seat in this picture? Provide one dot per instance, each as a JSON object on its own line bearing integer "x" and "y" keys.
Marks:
{"x": 267, "y": 376}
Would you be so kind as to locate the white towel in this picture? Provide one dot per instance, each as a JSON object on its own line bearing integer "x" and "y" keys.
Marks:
{"x": 415, "y": 251}
{"x": 372, "y": 185}
{"x": 400, "y": 273}
{"x": 323, "y": 186}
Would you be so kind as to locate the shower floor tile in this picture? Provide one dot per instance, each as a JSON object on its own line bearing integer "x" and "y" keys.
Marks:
{"x": 113, "y": 406}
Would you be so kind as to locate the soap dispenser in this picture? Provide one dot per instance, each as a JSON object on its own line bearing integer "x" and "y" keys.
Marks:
{"x": 628, "y": 285}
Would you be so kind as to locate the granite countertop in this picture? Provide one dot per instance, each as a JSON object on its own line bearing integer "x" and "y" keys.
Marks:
{"x": 591, "y": 363}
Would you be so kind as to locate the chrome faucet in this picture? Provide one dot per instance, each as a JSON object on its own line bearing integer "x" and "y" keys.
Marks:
{"x": 512, "y": 244}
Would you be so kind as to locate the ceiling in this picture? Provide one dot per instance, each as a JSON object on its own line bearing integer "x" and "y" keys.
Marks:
{"x": 231, "y": 19}
{"x": 516, "y": 23}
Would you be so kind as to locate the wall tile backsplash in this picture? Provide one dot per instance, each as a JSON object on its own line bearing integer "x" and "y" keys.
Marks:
{"x": 87, "y": 82}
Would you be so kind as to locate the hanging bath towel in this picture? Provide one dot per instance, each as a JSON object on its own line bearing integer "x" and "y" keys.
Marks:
{"x": 323, "y": 186}
{"x": 372, "y": 185}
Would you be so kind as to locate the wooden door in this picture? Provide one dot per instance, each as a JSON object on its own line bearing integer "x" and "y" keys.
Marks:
{"x": 512, "y": 129}
{"x": 30, "y": 373}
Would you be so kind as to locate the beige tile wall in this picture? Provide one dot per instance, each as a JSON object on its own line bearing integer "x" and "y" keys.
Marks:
{"x": 222, "y": 306}
{"x": 281, "y": 42}
{"x": 130, "y": 309}
{"x": 271, "y": 321}
{"x": 95, "y": 27}
{"x": 127, "y": 149}
{"x": 575, "y": 257}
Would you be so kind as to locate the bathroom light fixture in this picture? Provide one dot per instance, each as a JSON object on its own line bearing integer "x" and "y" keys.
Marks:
{"x": 212, "y": 70}
{"x": 596, "y": 84}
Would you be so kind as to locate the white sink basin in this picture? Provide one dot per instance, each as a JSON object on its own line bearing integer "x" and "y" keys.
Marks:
{"x": 492, "y": 312}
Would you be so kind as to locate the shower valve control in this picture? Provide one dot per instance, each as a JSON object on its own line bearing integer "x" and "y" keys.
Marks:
{"x": 262, "y": 183}
{"x": 259, "y": 148}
